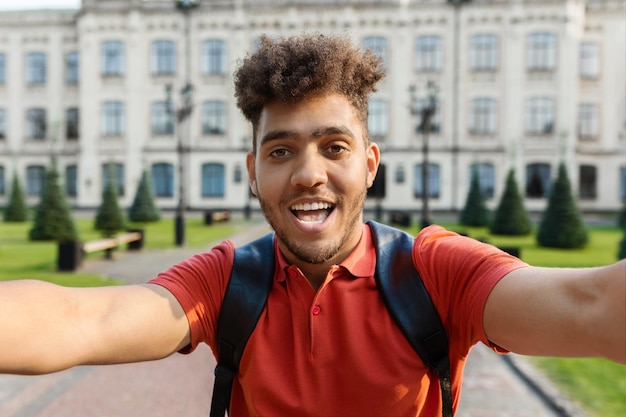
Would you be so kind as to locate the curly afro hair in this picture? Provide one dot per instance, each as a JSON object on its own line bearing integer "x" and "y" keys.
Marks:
{"x": 293, "y": 69}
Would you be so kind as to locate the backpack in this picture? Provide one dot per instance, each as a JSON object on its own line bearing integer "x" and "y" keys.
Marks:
{"x": 399, "y": 284}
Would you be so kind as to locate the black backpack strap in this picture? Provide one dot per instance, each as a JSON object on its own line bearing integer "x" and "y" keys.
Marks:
{"x": 409, "y": 304}
{"x": 244, "y": 300}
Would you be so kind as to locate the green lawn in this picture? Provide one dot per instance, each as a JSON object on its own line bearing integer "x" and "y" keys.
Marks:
{"x": 20, "y": 258}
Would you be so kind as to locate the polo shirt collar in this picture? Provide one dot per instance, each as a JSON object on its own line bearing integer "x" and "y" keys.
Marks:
{"x": 360, "y": 263}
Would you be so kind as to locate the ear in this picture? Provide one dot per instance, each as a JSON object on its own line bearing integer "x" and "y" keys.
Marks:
{"x": 250, "y": 164}
{"x": 373, "y": 160}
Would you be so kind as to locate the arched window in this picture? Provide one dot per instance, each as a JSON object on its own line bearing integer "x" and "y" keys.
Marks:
{"x": 537, "y": 180}
{"x": 486, "y": 178}
{"x": 213, "y": 180}
{"x": 163, "y": 179}
{"x": 434, "y": 181}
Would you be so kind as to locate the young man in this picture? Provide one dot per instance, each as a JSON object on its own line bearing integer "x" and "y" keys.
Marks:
{"x": 325, "y": 343}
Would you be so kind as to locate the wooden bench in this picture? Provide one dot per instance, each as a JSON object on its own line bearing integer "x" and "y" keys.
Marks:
{"x": 71, "y": 253}
{"x": 216, "y": 216}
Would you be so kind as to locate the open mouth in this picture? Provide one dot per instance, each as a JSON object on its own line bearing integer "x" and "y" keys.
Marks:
{"x": 315, "y": 212}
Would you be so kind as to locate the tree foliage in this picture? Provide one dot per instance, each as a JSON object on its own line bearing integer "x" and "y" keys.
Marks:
{"x": 16, "y": 209}
{"x": 511, "y": 217}
{"x": 143, "y": 208}
{"x": 562, "y": 224}
{"x": 53, "y": 219}
{"x": 109, "y": 218}
{"x": 475, "y": 212}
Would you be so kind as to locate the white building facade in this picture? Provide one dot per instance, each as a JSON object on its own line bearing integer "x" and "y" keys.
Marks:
{"x": 522, "y": 85}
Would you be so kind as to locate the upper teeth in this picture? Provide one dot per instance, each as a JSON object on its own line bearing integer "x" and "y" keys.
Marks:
{"x": 311, "y": 206}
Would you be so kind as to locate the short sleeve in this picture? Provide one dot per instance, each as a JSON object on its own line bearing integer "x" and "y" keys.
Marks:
{"x": 199, "y": 284}
{"x": 459, "y": 273}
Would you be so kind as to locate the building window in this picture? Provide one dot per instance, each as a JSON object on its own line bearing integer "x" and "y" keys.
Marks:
{"x": 113, "y": 122}
{"x": 429, "y": 53}
{"x": 486, "y": 178}
{"x": 115, "y": 171}
{"x": 71, "y": 180}
{"x": 213, "y": 118}
{"x": 400, "y": 174}
{"x": 214, "y": 57}
{"x": 540, "y": 116}
{"x": 537, "y": 180}
{"x": 163, "y": 180}
{"x": 3, "y": 124}
{"x": 112, "y": 58}
{"x": 35, "y": 175}
{"x": 433, "y": 181}
{"x": 163, "y": 57}
{"x": 35, "y": 68}
{"x": 622, "y": 187}
{"x": 587, "y": 182}
{"x": 162, "y": 119}
{"x": 589, "y": 60}
{"x": 483, "y": 116}
{"x": 484, "y": 52}
{"x": 541, "y": 52}
{"x": 588, "y": 121}
{"x": 72, "y": 67}
{"x": 36, "y": 123}
{"x": 3, "y": 69}
{"x": 213, "y": 180}
{"x": 378, "y": 46}
{"x": 71, "y": 123}
{"x": 378, "y": 119}
{"x": 2, "y": 181}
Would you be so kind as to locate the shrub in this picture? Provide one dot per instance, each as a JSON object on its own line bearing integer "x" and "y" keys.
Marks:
{"x": 109, "y": 218}
{"x": 53, "y": 219}
{"x": 475, "y": 213}
{"x": 562, "y": 225}
{"x": 511, "y": 217}
{"x": 143, "y": 208}
{"x": 16, "y": 209}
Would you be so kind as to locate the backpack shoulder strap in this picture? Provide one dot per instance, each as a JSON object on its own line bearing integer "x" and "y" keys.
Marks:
{"x": 246, "y": 294}
{"x": 409, "y": 304}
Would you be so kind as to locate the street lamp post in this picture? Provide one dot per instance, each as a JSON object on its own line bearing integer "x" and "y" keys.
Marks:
{"x": 183, "y": 112}
{"x": 425, "y": 113}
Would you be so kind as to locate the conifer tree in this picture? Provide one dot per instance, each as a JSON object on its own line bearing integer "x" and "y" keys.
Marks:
{"x": 562, "y": 224}
{"x": 109, "y": 218}
{"x": 511, "y": 217}
{"x": 475, "y": 212}
{"x": 53, "y": 219}
{"x": 143, "y": 208}
{"x": 16, "y": 209}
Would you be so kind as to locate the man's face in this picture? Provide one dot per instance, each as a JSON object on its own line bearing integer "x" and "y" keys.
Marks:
{"x": 311, "y": 172}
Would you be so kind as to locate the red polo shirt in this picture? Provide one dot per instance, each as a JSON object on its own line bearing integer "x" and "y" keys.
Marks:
{"x": 337, "y": 352}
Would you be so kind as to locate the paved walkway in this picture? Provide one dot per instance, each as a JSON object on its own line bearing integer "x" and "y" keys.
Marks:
{"x": 180, "y": 386}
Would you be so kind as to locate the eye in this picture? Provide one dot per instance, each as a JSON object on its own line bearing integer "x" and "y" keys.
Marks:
{"x": 280, "y": 153}
{"x": 336, "y": 150}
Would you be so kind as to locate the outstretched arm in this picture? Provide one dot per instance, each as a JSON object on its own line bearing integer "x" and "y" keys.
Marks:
{"x": 45, "y": 328}
{"x": 560, "y": 312}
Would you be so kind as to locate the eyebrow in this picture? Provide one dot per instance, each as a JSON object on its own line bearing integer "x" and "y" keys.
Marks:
{"x": 291, "y": 134}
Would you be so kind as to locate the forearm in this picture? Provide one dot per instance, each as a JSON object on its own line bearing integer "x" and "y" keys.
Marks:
{"x": 607, "y": 320}
{"x": 35, "y": 327}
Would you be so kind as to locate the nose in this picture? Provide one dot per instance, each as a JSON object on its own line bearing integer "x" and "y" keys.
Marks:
{"x": 309, "y": 169}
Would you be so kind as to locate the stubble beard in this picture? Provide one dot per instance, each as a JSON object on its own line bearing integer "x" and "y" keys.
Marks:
{"x": 316, "y": 254}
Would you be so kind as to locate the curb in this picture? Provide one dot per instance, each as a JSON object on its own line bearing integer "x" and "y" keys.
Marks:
{"x": 543, "y": 387}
